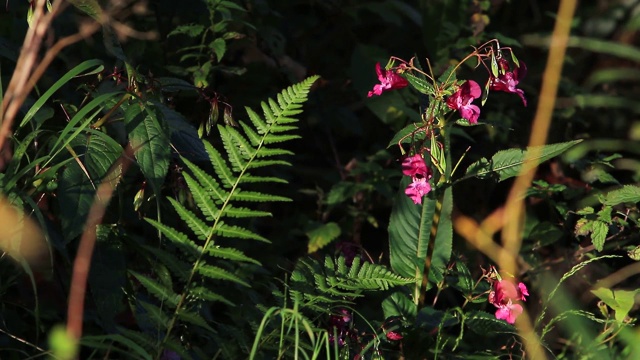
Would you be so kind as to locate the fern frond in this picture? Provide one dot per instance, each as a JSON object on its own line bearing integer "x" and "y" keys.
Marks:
{"x": 217, "y": 273}
{"x": 272, "y": 139}
{"x": 220, "y": 166}
{"x": 256, "y": 120}
{"x": 201, "y": 198}
{"x": 154, "y": 314}
{"x": 203, "y": 293}
{"x": 177, "y": 238}
{"x": 178, "y": 267}
{"x": 253, "y": 136}
{"x": 261, "y": 179}
{"x": 263, "y": 163}
{"x": 235, "y": 155}
{"x": 269, "y": 152}
{"x": 243, "y": 212}
{"x": 208, "y": 182}
{"x": 199, "y": 228}
{"x": 165, "y": 295}
{"x": 194, "y": 319}
{"x": 230, "y": 254}
{"x": 254, "y": 196}
{"x": 240, "y": 142}
{"x": 237, "y": 232}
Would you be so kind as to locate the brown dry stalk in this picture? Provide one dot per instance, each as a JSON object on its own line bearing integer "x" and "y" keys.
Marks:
{"x": 511, "y": 218}
{"x": 82, "y": 262}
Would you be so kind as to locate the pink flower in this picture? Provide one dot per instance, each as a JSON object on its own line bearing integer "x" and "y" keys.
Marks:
{"x": 417, "y": 189}
{"x": 462, "y": 100}
{"x": 415, "y": 167}
{"x": 507, "y": 80}
{"x": 509, "y": 312}
{"x": 393, "y": 336}
{"x": 504, "y": 295}
{"x": 389, "y": 80}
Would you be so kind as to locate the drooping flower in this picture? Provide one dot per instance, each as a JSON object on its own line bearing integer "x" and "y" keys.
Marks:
{"x": 509, "y": 312}
{"x": 462, "y": 100}
{"x": 415, "y": 167}
{"x": 389, "y": 80}
{"x": 504, "y": 295}
{"x": 508, "y": 80}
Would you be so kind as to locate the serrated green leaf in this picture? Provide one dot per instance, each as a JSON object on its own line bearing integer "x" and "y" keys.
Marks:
{"x": 409, "y": 134}
{"x": 599, "y": 234}
{"x": 242, "y": 212}
{"x": 509, "y": 163}
{"x": 219, "y": 47}
{"x": 420, "y": 84}
{"x": 483, "y": 323}
{"x": 626, "y": 194}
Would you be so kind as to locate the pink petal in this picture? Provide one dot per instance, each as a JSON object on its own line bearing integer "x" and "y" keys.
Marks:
{"x": 523, "y": 291}
{"x": 414, "y": 165}
{"x": 417, "y": 189}
{"x": 509, "y": 312}
{"x": 472, "y": 89}
{"x": 471, "y": 113}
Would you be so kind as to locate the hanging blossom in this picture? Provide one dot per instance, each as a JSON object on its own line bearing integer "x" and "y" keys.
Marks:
{"x": 504, "y": 295}
{"x": 462, "y": 100}
{"x": 415, "y": 167}
{"x": 508, "y": 80}
{"x": 389, "y": 80}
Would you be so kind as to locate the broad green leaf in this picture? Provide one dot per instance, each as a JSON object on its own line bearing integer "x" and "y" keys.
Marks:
{"x": 321, "y": 236}
{"x": 399, "y": 304}
{"x": 509, "y": 163}
{"x": 76, "y": 188}
{"x": 409, "y": 233}
{"x": 148, "y": 135}
{"x": 408, "y": 134}
{"x": 621, "y": 301}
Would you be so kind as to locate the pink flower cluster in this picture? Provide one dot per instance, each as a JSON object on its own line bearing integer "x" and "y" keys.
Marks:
{"x": 415, "y": 167}
{"x": 461, "y": 101}
{"x": 504, "y": 295}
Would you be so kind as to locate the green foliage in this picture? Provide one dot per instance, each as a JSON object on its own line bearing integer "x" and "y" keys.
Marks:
{"x": 213, "y": 196}
{"x": 506, "y": 164}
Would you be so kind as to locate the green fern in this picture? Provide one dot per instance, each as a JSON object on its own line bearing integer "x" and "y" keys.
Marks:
{"x": 336, "y": 281}
{"x": 197, "y": 261}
